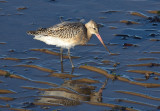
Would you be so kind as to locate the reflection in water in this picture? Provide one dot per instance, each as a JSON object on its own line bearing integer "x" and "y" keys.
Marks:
{"x": 62, "y": 67}
{"x": 72, "y": 93}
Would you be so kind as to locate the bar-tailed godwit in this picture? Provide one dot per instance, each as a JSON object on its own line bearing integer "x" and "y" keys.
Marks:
{"x": 67, "y": 35}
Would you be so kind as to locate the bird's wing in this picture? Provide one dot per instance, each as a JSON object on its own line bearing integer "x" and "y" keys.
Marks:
{"x": 66, "y": 29}
{"x": 62, "y": 30}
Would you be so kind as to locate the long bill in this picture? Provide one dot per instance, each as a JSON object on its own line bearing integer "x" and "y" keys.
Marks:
{"x": 100, "y": 39}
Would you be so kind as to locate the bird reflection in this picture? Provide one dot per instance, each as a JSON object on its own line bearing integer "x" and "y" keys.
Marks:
{"x": 62, "y": 70}
{"x": 72, "y": 93}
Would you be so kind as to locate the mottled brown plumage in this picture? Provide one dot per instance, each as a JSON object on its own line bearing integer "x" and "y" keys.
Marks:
{"x": 68, "y": 35}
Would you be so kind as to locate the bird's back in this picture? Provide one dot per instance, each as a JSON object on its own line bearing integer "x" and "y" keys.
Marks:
{"x": 62, "y": 30}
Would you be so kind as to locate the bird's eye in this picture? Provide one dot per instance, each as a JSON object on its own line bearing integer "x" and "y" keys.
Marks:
{"x": 94, "y": 28}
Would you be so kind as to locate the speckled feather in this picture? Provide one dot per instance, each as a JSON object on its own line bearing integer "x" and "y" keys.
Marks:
{"x": 62, "y": 30}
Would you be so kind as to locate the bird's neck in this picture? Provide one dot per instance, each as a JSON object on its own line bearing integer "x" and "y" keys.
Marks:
{"x": 89, "y": 34}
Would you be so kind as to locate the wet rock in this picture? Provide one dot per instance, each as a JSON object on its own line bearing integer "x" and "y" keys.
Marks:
{"x": 154, "y": 24}
{"x": 138, "y": 14}
{"x": 152, "y": 35}
{"x": 21, "y": 8}
{"x": 128, "y": 44}
{"x": 123, "y": 36}
{"x": 128, "y": 22}
{"x": 156, "y": 78}
{"x": 136, "y": 37}
{"x": 154, "y": 11}
{"x": 12, "y": 50}
{"x": 154, "y": 19}
{"x": 154, "y": 39}
{"x": 29, "y": 62}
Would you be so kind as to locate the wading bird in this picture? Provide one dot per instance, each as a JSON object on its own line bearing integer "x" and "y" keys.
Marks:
{"x": 67, "y": 35}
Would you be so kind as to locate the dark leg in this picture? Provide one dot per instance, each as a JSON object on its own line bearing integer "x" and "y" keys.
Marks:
{"x": 61, "y": 54}
{"x": 70, "y": 58}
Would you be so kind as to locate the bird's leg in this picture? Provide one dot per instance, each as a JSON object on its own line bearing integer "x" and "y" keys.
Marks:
{"x": 70, "y": 58}
{"x": 61, "y": 54}
{"x": 62, "y": 67}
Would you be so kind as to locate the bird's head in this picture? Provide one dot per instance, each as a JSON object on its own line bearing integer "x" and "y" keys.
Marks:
{"x": 92, "y": 27}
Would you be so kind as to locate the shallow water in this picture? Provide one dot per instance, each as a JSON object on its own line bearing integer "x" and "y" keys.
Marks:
{"x": 133, "y": 41}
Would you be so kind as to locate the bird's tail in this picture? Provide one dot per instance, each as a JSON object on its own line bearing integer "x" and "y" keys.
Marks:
{"x": 39, "y": 31}
{"x": 32, "y": 32}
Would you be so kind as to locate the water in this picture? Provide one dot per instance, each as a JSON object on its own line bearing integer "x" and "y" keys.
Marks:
{"x": 15, "y": 22}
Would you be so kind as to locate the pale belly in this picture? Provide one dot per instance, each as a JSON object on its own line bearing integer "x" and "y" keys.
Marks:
{"x": 59, "y": 42}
